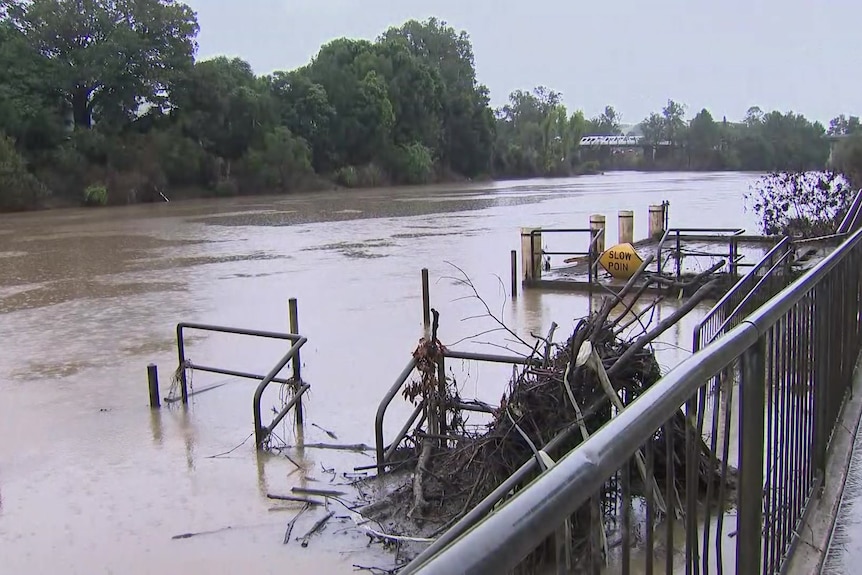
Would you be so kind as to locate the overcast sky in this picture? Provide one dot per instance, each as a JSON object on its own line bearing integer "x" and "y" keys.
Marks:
{"x": 725, "y": 55}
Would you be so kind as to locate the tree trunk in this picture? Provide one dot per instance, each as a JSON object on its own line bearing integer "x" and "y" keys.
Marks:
{"x": 81, "y": 107}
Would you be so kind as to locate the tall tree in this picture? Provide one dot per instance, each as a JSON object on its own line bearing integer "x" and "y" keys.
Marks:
{"x": 607, "y": 123}
{"x": 704, "y": 138}
{"x": 844, "y": 126}
{"x": 468, "y": 122}
{"x": 674, "y": 122}
{"x": 109, "y": 56}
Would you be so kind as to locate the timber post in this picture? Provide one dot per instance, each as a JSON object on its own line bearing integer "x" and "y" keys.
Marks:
{"x": 531, "y": 253}
{"x": 597, "y": 230}
{"x": 626, "y": 226}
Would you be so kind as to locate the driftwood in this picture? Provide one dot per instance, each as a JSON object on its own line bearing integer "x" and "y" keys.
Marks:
{"x": 315, "y": 528}
{"x": 293, "y": 498}
{"x": 289, "y": 529}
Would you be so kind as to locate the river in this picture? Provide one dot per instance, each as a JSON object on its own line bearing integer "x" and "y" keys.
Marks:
{"x": 92, "y": 481}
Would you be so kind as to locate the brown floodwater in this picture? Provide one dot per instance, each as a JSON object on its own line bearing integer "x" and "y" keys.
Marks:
{"x": 92, "y": 481}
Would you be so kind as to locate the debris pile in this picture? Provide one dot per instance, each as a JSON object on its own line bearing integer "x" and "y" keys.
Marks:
{"x": 565, "y": 393}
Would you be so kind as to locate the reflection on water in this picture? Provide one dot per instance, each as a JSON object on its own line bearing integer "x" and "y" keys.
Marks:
{"x": 92, "y": 481}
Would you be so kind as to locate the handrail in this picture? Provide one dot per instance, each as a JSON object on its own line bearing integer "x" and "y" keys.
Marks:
{"x": 499, "y": 541}
{"x": 261, "y": 432}
{"x": 382, "y": 451}
{"x": 381, "y": 410}
{"x": 737, "y": 290}
{"x": 850, "y": 220}
{"x": 185, "y": 364}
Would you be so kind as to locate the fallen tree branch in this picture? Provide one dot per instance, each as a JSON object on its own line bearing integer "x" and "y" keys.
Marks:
{"x": 315, "y": 528}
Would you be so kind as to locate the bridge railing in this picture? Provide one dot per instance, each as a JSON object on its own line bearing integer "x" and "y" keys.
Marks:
{"x": 784, "y": 373}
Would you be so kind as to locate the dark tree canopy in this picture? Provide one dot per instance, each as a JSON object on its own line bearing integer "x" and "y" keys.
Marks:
{"x": 106, "y": 96}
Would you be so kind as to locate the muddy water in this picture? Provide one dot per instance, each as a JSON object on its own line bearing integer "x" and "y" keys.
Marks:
{"x": 92, "y": 482}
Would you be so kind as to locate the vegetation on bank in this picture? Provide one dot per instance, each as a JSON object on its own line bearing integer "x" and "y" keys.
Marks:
{"x": 108, "y": 105}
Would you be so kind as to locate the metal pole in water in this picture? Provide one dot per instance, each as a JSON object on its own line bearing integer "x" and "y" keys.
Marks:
{"x": 153, "y": 381}
{"x": 181, "y": 353}
{"x": 514, "y": 273}
{"x": 426, "y": 299}
{"x": 293, "y": 308}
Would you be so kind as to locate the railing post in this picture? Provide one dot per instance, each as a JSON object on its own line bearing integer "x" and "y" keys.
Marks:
{"x": 678, "y": 256}
{"x": 181, "y": 353}
{"x": 293, "y": 308}
{"x": 426, "y": 300}
{"x": 597, "y": 226}
{"x": 153, "y": 382}
{"x": 751, "y": 436}
{"x": 514, "y": 275}
{"x": 731, "y": 261}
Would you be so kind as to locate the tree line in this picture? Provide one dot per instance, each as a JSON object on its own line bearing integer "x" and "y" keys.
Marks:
{"x": 103, "y": 101}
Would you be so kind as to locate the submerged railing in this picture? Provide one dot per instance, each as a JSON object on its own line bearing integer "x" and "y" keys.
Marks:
{"x": 299, "y": 387}
{"x": 790, "y": 362}
{"x": 384, "y": 452}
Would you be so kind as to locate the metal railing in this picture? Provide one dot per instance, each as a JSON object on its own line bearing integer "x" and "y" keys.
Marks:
{"x": 791, "y": 363}
{"x": 591, "y": 254}
{"x": 261, "y": 432}
{"x": 682, "y": 235}
{"x": 853, "y": 218}
{"x": 384, "y": 452}
{"x": 764, "y": 280}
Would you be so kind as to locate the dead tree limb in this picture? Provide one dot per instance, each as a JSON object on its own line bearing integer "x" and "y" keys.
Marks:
{"x": 662, "y": 327}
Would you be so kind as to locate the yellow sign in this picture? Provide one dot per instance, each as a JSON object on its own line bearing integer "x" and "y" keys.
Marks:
{"x": 621, "y": 261}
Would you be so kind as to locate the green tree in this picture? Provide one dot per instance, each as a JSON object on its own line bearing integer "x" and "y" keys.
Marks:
{"x": 30, "y": 106}
{"x": 844, "y": 126}
{"x": 606, "y": 124}
{"x": 468, "y": 122}
{"x": 674, "y": 123}
{"x": 704, "y": 139}
{"x": 653, "y": 128}
{"x": 109, "y": 56}
{"x": 847, "y": 159}
{"x": 280, "y": 162}
{"x": 225, "y": 108}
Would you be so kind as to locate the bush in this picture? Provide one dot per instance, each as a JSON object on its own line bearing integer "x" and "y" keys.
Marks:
{"x": 281, "y": 163}
{"x": 19, "y": 189}
{"x": 800, "y": 204}
{"x": 368, "y": 176}
{"x": 226, "y": 188}
{"x": 96, "y": 195}
{"x": 412, "y": 164}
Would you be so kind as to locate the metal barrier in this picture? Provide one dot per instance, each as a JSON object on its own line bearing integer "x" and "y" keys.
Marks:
{"x": 791, "y": 361}
{"x": 851, "y": 221}
{"x": 764, "y": 280}
{"x": 591, "y": 254}
{"x": 384, "y": 453}
{"x": 261, "y": 432}
{"x": 703, "y": 234}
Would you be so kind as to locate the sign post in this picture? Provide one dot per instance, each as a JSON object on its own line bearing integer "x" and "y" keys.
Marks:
{"x": 621, "y": 261}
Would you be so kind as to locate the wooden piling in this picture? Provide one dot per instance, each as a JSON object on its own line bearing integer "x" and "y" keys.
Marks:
{"x": 531, "y": 253}
{"x": 293, "y": 309}
{"x": 153, "y": 382}
{"x": 626, "y": 226}
{"x": 426, "y": 300}
{"x": 656, "y": 221}
{"x": 597, "y": 227}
